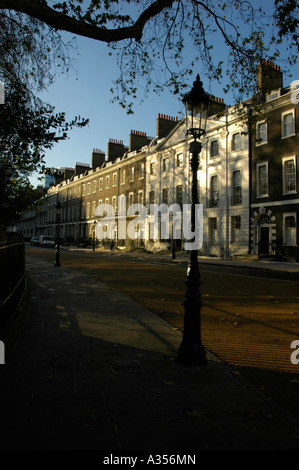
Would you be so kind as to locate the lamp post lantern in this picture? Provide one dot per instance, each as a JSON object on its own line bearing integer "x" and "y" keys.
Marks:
{"x": 58, "y": 215}
{"x": 191, "y": 351}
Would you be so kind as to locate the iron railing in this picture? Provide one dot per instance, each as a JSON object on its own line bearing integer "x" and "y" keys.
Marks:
{"x": 12, "y": 268}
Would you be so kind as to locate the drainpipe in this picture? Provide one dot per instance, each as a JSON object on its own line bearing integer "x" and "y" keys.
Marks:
{"x": 249, "y": 113}
{"x": 226, "y": 188}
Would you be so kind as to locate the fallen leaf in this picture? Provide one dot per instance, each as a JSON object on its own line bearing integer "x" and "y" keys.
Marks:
{"x": 169, "y": 382}
{"x": 196, "y": 413}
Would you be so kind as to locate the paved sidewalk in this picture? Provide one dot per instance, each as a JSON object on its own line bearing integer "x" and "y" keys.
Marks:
{"x": 263, "y": 263}
{"x": 92, "y": 370}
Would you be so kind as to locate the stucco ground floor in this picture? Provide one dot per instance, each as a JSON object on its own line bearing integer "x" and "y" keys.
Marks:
{"x": 273, "y": 231}
{"x": 263, "y": 231}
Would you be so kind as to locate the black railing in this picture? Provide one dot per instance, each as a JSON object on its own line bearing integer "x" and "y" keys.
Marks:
{"x": 12, "y": 268}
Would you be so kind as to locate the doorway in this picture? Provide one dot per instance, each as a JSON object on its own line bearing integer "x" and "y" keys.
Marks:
{"x": 264, "y": 241}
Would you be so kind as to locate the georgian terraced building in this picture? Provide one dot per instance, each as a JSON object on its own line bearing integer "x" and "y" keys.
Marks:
{"x": 247, "y": 182}
{"x": 274, "y": 173}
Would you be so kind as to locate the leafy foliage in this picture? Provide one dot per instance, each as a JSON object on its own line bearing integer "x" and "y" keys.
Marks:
{"x": 31, "y": 53}
{"x": 27, "y": 126}
{"x": 26, "y": 130}
{"x": 152, "y": 40}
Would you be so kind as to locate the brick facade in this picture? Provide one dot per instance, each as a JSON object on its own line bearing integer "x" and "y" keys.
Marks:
{"x": 247, "y": 181}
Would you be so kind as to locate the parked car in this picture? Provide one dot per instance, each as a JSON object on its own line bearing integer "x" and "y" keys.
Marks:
{"x": 46, "y": 241}
{"x": 34, "y": 241}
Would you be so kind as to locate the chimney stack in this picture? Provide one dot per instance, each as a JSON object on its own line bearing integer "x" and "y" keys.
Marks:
{"x": 80, "y": 168}
{"x": 116, "y": 149}
{"x": 138, "y": 139}
{"x": 165, "y": 124}
{"x": 218, "y": 106}
{"x": 97, "y": 158}
{"x": 269, "y": 77}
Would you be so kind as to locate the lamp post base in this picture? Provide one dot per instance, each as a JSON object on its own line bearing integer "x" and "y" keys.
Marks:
{"x": 57, "y": 260}
{"x": 191, "y": 351}
{"x": 193, "y": 355}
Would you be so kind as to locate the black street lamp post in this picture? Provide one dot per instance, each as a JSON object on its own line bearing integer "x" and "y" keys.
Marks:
{"x": 57, "y": 255}
{"x": 191, "y": 351}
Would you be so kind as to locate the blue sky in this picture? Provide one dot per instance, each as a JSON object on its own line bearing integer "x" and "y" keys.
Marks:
{"x": 86, "y": 92}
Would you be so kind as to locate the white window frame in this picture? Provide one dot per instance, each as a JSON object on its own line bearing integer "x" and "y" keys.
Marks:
{"x": 284, "y": 183}
{"x": 93, "y": 208}
{"x": 132, "y": 173}
{"x": 165, "y": 164}
{"x": 123, "y": 176}
{"x": 141, "y": 170}
{"x": 262, "y": 142}
{"x": 114, "y": 179}
{"x": 165, "y": 195}
{"x": 234, "y": 193}
{"x": 152, "y": 192}
{"x": 283, "y": 116}
{"x": 236, "y": 231}
{"x": 233, "y": 146}
{"x": 179, "y": 194}
{"x": 211, "y": 153}
{"x": 285, "y": 238}
{"x": 141, "y": 197}
{"x": 214, "y": 190}
{"x": 179, "y": 160}
{"x": 258, "y": 165}
{"x": 273, "y": 94}
{"x": 213, "y": 230}
{"x": 131, "y": 195}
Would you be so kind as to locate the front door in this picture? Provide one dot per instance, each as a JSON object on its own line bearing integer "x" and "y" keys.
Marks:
{"x": 264, "y": 241}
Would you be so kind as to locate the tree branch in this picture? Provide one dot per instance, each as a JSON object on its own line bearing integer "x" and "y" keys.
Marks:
{"x": 41, "y": 11}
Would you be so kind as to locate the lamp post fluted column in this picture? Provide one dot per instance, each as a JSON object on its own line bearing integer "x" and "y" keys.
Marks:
{"x": 191, "y": 351}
